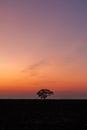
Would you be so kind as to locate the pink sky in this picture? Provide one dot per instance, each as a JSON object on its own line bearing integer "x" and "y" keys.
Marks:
{"x": 43, "y": 44}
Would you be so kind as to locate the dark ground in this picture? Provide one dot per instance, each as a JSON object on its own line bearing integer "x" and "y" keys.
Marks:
{"x": 43, "y": 114}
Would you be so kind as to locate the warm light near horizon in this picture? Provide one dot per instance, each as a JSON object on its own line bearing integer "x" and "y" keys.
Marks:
{"x": 43, "y": 45}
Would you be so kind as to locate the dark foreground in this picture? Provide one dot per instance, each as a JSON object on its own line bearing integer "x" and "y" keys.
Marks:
{"x": 43, "y": 114}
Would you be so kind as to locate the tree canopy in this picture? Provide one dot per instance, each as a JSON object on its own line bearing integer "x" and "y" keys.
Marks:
{"x": 44, "y": 93}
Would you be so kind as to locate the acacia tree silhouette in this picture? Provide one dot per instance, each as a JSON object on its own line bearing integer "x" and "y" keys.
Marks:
{"x": 44, "y": 93}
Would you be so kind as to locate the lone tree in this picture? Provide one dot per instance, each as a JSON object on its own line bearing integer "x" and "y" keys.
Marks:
{"x": 43, "y": 93}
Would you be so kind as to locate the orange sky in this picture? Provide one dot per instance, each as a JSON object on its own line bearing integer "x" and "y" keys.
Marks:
{"x": 43, "y": 45}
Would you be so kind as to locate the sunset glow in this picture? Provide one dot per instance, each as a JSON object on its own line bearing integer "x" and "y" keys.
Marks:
{"x": 43, "y": 44}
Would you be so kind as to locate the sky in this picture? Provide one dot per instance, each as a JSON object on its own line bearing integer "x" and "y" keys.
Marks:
{"x": 43, "y": 44}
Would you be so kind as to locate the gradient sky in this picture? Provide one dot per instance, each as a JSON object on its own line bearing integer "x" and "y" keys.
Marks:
{"x": 43, "y": 44}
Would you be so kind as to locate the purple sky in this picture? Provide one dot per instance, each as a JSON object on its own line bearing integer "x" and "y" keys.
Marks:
{"x": 43, "y": 43}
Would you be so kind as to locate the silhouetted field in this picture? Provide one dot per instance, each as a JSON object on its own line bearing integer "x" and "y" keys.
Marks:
{"x": 43, "y": 114}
